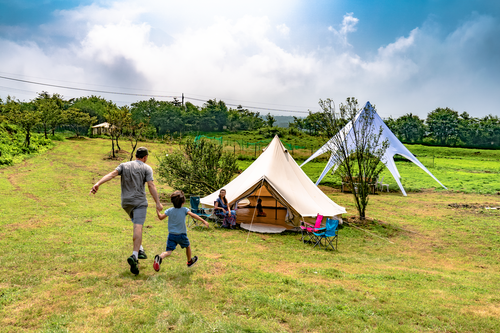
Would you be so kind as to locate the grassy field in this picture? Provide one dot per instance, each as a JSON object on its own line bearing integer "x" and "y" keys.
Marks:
{"x": 429, "y": 261}
{"x": 459, "y": 169}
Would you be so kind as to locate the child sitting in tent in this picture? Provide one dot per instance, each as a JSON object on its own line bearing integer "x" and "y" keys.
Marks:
{"x": 260, "y": 211}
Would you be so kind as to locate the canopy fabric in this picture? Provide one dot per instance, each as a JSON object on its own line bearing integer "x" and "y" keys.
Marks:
{"x": 395, "y": 147}
{"x": 277, "y": 171}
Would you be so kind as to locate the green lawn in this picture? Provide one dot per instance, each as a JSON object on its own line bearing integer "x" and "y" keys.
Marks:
{"x": 422, "y": 266}
{"x": 459, "y": 169}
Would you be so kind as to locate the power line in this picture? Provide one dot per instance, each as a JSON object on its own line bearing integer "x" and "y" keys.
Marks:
{"x": 250, "y": 107}
{"x": 84, "y": 89}
{"x": 144, "y": 95}
{"x": 72, "y": 82}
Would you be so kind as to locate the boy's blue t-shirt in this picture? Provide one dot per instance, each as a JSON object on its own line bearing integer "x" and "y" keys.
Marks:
{"x": 177, "y": 220}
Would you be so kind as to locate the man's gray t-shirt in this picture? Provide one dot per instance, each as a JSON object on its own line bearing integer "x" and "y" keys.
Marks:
{"x": 133, "y": 176}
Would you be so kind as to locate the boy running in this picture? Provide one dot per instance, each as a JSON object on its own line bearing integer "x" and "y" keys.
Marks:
{"x": 177, "y": 233}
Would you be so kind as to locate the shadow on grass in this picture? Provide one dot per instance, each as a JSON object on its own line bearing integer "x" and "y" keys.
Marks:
{"x": 173, "y": 273}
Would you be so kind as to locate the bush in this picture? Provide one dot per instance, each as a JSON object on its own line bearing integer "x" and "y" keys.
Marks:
{"x": 201, "y": 167}
{"x": 12, "y": 145}
{"x": 242, "y": 157}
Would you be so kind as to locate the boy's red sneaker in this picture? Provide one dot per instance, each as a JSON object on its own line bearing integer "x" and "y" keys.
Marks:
{"x": 157, "y": 263}
{"x": 192, "y": 261}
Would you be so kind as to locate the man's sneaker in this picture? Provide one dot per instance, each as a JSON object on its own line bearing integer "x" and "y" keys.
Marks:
{"x": 142, "y": 255}
{"x": 134, "y": 264}
{"x": 157, "y": 263}
{"x": 192, "y": 261}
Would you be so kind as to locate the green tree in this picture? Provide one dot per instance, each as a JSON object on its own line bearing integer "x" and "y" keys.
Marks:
{"x": 359, "y": 157}
{"x": 270, "y": 120}
{"x": 443, "y": 125}
{"x": 410, "y": 128}
{"x": 392, "y": 124}
{"x": 217, "y": 113}
{"x": 326, "y": 122}
{"x": 51, "y": 111}
{"x": 479, "y": 132}
{"x": 298, "y": 123}
{"x": 77, "y": 119}
{"x": 95, "y": 106}
{"x": 3, "y": 111}
{"x": 118, "y": 119}
{"x": 201, "y": 167}
{"x": 23, "y": 114}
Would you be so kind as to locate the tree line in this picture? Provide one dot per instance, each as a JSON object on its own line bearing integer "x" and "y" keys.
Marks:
{"x": 144, "y": 119}
{"x": 152, "y": 118}
{"x": 443, "y": 126}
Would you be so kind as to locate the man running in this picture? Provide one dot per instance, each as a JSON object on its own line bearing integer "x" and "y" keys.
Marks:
{"x": 134, "y": 175}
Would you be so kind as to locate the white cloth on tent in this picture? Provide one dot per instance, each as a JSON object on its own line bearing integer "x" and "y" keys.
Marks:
{"x": 395, "y": 147}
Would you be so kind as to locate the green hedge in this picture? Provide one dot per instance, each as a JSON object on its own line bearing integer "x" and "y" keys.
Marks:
{"x": 12, "y": 144}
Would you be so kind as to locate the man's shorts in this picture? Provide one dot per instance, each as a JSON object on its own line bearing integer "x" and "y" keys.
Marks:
{"x": 137, "y": 214}
{"x": 177, "y": 239}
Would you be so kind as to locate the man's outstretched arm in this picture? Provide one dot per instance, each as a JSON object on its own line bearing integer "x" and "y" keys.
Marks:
{"x": 104, "y": 179}
{"x": 154, "y": 194}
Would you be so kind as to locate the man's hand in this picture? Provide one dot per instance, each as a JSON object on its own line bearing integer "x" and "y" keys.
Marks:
{"x": 104, "y": 179}
{"x": 94, "y": 189}
{"x": 159, "y": 207}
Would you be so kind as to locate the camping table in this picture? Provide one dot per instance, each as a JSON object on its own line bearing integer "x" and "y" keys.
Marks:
{"x": 373, "y": 186}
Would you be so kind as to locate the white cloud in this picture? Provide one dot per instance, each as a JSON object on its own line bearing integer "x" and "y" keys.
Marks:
{"x": 283, "y": 29}
{"x": 348, "y": 25}
{"x": 237, "y": 59}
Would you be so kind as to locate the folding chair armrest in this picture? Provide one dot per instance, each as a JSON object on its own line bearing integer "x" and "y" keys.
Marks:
{"x": 305, "y": 224}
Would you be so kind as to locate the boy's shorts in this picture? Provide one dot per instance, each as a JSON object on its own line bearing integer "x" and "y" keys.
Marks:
{"x": 177, "y": 239}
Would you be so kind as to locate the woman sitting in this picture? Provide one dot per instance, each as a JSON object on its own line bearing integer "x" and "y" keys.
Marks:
{"x": 230, "y": 215}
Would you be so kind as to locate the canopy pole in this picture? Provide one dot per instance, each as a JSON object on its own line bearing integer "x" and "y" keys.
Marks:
{"x": 254, "y": 210}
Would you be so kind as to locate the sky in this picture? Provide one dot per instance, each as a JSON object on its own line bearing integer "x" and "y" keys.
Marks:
{"x": 279, "y": 57}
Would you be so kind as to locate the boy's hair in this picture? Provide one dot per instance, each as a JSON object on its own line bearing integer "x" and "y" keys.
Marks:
{"x": 177, "y": 199}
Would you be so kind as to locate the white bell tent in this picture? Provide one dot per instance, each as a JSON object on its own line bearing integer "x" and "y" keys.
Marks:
{"x": 282, "y": 185}
{"x": 395, "y": 147}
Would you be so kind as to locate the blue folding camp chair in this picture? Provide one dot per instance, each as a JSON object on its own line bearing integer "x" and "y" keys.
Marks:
{"x": 204, "y": 213}
{"x": 326, "y": 236}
